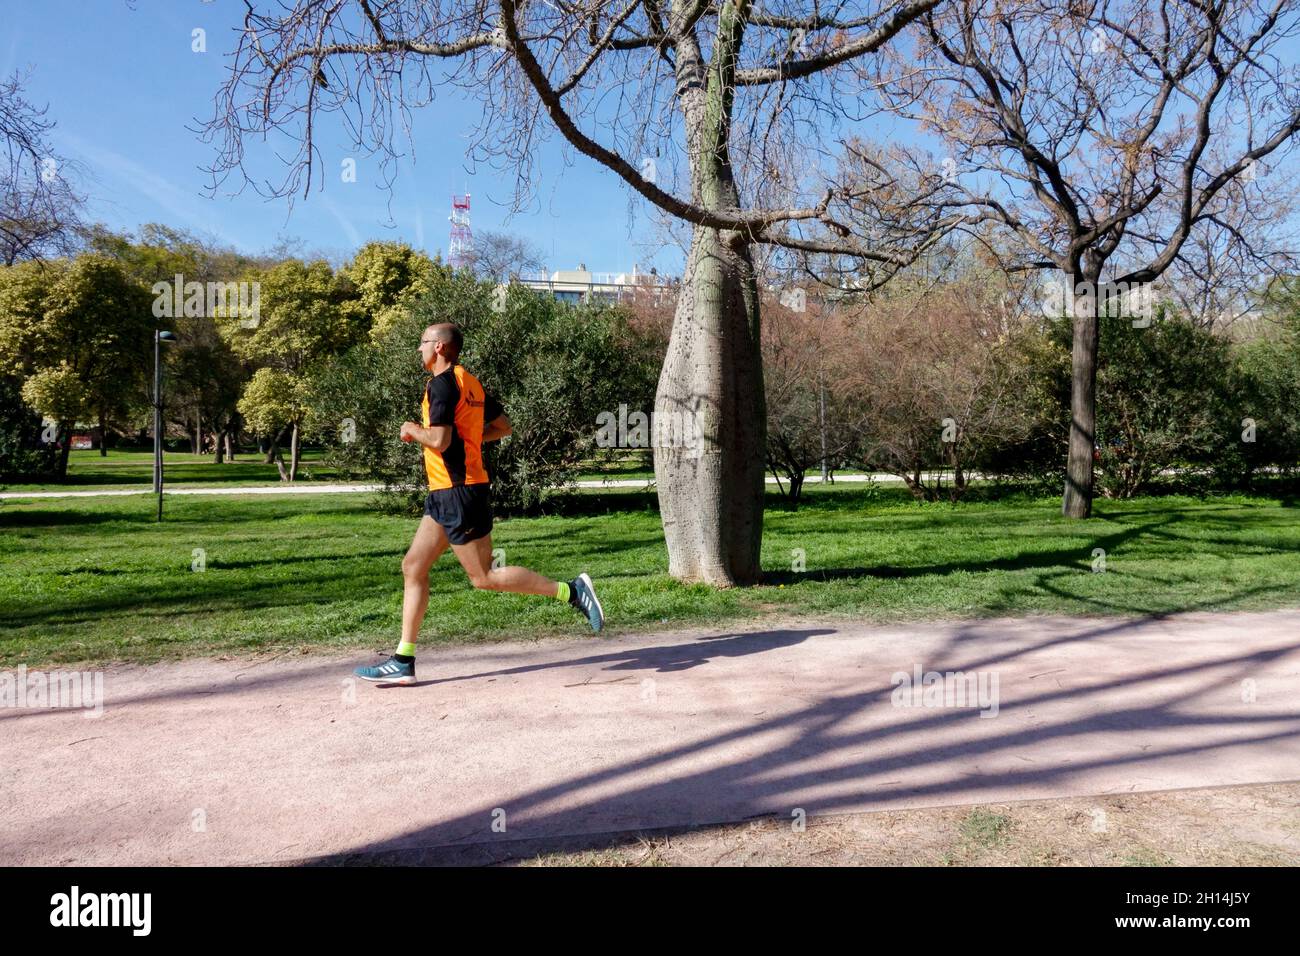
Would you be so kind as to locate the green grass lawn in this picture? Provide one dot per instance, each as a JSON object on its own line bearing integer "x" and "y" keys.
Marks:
{"x": 121, "y": 470}
{"x": 97, "y": 579}
{"x": 627, "y": 465}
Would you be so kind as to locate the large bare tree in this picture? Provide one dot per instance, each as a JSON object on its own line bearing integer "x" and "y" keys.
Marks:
{"x": 501, "y": 256}
{"x": 722, "y": 113}
{"x": 40, "y": 211}
{"x": 1106, "y": 134}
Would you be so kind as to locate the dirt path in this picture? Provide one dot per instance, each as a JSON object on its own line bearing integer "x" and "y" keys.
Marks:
{"x": 535, "y": 745}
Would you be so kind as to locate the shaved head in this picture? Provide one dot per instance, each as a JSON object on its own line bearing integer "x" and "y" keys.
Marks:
{"x": 448, "y": 333}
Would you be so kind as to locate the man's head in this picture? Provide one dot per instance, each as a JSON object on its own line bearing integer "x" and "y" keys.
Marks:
{"x": 443, "y": 339}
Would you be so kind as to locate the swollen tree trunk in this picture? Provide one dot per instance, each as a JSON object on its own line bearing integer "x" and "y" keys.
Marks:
{"x": 1077, "y": 502}
{"x": 711, "y": 395}
{"x": 710, "y": 416}
{"x": 293, "y": 454}
{"x": 103, "y": 435}
{"x": 230, "y": 446}
{"x": 219, "y": 448}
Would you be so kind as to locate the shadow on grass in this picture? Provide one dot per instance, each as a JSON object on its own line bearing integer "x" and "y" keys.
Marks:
{"x": 1061, "y": 557}
{"x": 184, "y": 512}
{"x": 67, "y": 517}
{"x": 185, "y": 590}
{"x": 215, "y": 564}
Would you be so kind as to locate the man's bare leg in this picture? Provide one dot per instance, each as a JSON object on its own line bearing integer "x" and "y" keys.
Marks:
{"x": 426, "y": 548}
{"x": 476, "y": 558}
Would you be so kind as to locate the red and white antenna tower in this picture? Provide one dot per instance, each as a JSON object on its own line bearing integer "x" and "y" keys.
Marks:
{"x": 460, "y": 253}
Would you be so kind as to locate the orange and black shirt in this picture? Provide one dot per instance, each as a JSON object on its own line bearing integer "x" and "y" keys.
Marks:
{"x": 457, "y": 398}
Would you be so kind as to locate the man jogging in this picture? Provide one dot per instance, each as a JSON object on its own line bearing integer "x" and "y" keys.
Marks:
{"x": 458, "y": 418}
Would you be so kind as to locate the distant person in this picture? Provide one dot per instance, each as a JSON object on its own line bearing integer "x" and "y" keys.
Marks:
{"x": 458, "y": 418}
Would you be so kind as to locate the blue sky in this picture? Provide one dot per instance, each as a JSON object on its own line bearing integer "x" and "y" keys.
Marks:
{"x": 123, "y": 83}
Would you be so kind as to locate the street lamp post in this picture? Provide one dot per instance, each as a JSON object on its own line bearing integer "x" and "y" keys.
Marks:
{"x": 159, "y": 337}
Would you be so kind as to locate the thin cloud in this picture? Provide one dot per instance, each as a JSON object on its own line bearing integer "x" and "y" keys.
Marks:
{"x": 183, "y": 205}
{"x": 333, "y": 209}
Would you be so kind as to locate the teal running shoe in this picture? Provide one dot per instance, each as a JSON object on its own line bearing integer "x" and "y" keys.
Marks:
{"x": 391, "y": 671}
{"x": 582, "y": 595}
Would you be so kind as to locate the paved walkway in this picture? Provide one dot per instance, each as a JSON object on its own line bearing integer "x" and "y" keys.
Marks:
{"x": 272, "y": 760}
{"x": 324, "y": 488}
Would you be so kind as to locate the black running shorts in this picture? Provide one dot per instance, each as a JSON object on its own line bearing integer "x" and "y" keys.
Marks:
{"x": 463, "y": 511}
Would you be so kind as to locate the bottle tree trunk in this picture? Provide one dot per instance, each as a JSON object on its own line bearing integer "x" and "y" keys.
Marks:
{"x": 710, "y": 417}
{"x": 103, "y": 435}
{"x": 1077, "y": 501}
{"x": 710, "y": 421}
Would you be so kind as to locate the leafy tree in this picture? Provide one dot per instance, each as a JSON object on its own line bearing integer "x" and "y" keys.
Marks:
{"x": 306, "y": 313}
{"x": 1265, "y": 390}
{"x": 1260, "y": 416}
{"x": 80, "y": 335}
{"x": 388, "y": 277}
{"x": 205, "y": 380}
{"x": 1164, "y": 387}
{"x": 1165, "y": 395}
{"x": 204, "y": 377}
{"x": 274, "y": 400}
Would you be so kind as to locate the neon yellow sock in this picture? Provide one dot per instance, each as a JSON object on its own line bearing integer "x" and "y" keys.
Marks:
{"x": 562, "y": 591}
{"x": 406, "y": 649}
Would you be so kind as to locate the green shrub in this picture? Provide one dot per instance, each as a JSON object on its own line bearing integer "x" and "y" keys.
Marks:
{"x": 1261, "y": 412}
{"x": 22, "y": 455}
{"x": 555, "y": 368}
{"x": 1163, "y": 392}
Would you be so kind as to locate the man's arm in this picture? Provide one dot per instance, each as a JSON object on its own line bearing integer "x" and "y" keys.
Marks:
{"x": 437, "y": 437}
{"x": 441, "y": 396}
{"x": 497, "y": 429}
